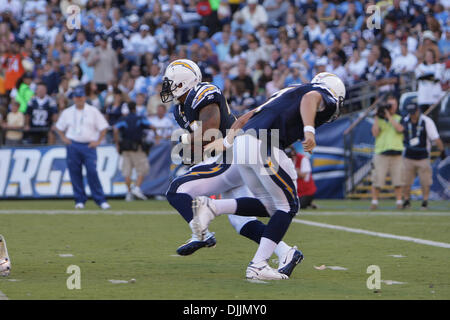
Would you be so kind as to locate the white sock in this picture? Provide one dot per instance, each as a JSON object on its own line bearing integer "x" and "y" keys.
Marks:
{"x": 282, "y": 249}
{"x": 265, "y": 250}
{"x": 225, "y": 206}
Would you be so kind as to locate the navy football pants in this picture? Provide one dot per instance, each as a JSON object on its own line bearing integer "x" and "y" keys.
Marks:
{"x": 79, "y": 154}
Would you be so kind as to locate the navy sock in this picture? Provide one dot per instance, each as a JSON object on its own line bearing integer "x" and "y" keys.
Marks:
{"x": 277, "y": 226}
{"x": 253, "y": 230}
{"x": 250, "y": 207}
{"x": 183, "y": 203}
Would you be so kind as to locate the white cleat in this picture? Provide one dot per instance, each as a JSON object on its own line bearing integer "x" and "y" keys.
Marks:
{"x": 5, "y": 263}
{"x": 105, "y": 206}
{"x": 204, "y": 212}
{"x": 79, "y": 205}
{"x": 137, "y": 192}
{"x": 262, "y": 271}
{"x": 129, "y": 197}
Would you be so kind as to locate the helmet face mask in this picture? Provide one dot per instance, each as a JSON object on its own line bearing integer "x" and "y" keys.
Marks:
{"x": 166, "y": 91}
{"x": 180, "y": 76}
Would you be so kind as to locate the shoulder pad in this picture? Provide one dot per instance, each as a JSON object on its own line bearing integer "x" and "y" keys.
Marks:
{"x": 203, "y": 93}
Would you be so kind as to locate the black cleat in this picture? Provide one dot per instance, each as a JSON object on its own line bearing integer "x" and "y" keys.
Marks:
{"x": 406, "y": 204}
{"x": 193, "y": 245}
{"x": 424, "y": 205}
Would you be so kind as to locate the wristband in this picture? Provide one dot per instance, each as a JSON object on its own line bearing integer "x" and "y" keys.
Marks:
{"x": 309, "y": 129}
{"x": 226, "y": 144}
{"x": 185, "y": 138}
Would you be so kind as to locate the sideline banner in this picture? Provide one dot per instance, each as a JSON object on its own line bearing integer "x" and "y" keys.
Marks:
{"x": 41, "y": 172}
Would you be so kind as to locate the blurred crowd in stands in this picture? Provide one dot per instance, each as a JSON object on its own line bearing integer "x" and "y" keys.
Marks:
{"x": 250, "y": 49}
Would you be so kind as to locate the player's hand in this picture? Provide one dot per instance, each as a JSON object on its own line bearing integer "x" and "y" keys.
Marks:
{"x": 310, "y": 142}
{"x": 216, "y": 146}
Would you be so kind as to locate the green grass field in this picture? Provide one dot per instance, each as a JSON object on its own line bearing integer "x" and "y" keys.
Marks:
{"x": 127, "y": 242}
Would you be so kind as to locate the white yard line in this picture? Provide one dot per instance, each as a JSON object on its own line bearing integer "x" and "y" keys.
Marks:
{"x": 3, "y": 296}
{"x": 301, "y": 213}
{"x": 373, "y": 233}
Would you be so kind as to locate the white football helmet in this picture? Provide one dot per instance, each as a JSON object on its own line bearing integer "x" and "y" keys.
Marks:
{"x": 332, "y": 82}
{"x": 335, "y": 85}
{"x": 181, "y": 76}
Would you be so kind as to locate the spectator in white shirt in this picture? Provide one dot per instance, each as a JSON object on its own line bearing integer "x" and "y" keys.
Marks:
{"x": 141, "y": 42}
{"x": 255, "y": 13}
{"x": 82, "y": 128}
{"x": 429, "y": 74}
{"x": 163, "y": 125}
{"x": 337, "y": 68}
{"x": 355, "y": 67}
{"x": 34, "y": 7}
{"x": 254, "y": 53}
{"x": 392, "y": 44}
{"x": 312, "y": 30}
{"x": 15, "y": 6}
{"x": 405, "y": 62}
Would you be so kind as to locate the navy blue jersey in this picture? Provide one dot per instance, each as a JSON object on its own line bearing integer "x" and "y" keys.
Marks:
{"x": 132, "y": 126}
{"x": 41, "y": 111}
{"x": 200, "y": 96}
{"x": 282, "y": 112}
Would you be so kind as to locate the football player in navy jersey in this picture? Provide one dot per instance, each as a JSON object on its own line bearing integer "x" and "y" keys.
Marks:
{"x": 200, "y": 107}
{"x": 289, "y": 115}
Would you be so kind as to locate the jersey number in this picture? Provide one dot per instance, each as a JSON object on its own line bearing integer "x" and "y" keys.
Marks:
{"x": 40, "y": 117}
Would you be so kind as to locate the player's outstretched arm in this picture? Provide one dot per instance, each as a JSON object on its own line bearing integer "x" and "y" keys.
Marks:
{"x": 238, "y": 125}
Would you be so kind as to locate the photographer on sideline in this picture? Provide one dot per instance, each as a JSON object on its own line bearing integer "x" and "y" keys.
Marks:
{"x": 128, "y": 137}
{"x": 388, "y": 133}
{"x": 419, "y": 131}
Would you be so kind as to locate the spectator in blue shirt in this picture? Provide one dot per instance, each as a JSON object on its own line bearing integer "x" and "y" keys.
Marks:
{"x": 202, "y": 37}
{"x": 113, "y": 111}
{"x": 50, "y": 78}
{"x": 326, "y": 11}
{"x": 444, "y": 43}
{"x": 441, "y": 14}
{"x": 345, "y": 6}
{"x": 295, "y": 75}
{"x": 81, "y": 44}
{"x": 217, "y": 77}
{"x": 240, "y": 23}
